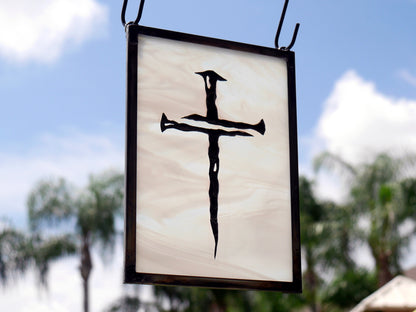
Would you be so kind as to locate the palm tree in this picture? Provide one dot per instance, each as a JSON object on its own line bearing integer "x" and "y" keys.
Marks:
{"x": 378, "y": 197}
{"x": 43, "y": 250}
{"x": 313, "y": 237}
{"x": 349, "y": 283}
{"x": 14, "y": 255}
{"x": 327, "y": 243}
{"x": 86, "y": 218}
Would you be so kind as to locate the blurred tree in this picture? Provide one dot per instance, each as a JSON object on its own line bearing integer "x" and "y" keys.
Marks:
{"x": 378, "y": 197}
{"x": 43, "y": 250}
{"x": 328, "y": 239}
{"x": 313, "y": 241}
{"x": 125, "y": 304}
{"x": 312, "y": 215}
{"x": 129, "y": 303}
{"x": 85, "y": 218}
{"x": 349, "y": 284}
{"x": 175, "y": 298}
{"x": 268, "y": 301}
{"x": 14, "y": 254}
{"x": 192, "y": 299}
{"x": 348, "y": 288}
{"x": 132, "y": 300}
{"x": 408, "y": 195}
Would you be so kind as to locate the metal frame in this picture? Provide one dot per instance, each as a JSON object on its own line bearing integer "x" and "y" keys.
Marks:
{"x": 130, "y": 274}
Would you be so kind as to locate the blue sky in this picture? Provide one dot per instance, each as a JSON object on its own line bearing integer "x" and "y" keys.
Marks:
{"x": 62, "y": 82}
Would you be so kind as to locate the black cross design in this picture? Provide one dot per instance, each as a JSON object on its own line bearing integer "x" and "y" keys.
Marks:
{"x": 210, "y": 79}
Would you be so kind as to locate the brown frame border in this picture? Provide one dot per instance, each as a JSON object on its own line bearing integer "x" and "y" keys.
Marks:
{"x": 130, "y": 274}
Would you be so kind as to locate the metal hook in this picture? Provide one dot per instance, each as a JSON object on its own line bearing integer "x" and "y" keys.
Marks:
{"x": 295, "y": 33}
{"x": 139, "y": 14}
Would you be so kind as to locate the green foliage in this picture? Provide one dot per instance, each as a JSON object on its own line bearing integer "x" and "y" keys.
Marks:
{"x": 97, "y": 208}
{"x": 192, "y": 299}
{"x": 14, "y": 256}
{"x": 348, "y": 288}
{"x": 408, "y": 196}
{"x": 44, "y": 250}
{"x": 311, "y": 210}
{"x": 382, "y": 195}
{"x": 176, "y": 298}
{"x": 316, "y": 241}
{"x": 377, "y": 194}
{"x": 125, "y": 304}
{"x": 329, "y": 236}
{"x": 267, "y": 301}
{"x": 94, "y": 209}
{"x": 50, "y": 203}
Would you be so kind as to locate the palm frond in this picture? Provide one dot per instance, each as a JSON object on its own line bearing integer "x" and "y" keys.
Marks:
{"x": 44, "y": 251}
{"x": 49, "y": 203}
{"x": 333, "y": 162}
{"x": 99, "y": 206}
{"x": 14, "y": 255}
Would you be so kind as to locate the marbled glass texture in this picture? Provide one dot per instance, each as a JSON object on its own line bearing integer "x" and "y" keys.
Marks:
{"x": 174, "y": 235}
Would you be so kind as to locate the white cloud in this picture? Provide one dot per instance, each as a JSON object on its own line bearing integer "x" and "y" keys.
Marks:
{"x": 73, "y": 155}
{"x": 41, "y": 30}
{"x": 407, "y": 77}
{"x": 358, "y": 121}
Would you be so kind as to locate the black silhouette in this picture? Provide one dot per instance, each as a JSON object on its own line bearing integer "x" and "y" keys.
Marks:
{"x": 210, "y": 79}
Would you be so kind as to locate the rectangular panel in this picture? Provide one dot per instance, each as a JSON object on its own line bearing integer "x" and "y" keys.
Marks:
{"x": 211, "y": 171}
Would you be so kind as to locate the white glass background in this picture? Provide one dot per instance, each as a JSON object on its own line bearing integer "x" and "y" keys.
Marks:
{"x": 174, "y": 234}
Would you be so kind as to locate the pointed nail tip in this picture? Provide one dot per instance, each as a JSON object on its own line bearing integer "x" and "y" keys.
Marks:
{"x": 163, "y": 122}
{"x": 262, "y": 127}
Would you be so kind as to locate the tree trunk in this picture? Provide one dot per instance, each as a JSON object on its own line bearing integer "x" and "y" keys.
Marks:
{"x": 384, "y": 274}
{"x": 216, "y": 307}
{"x": 86, "y": 294}
{"x": 311, "y": 282}
{"x": 85, "y": 269}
